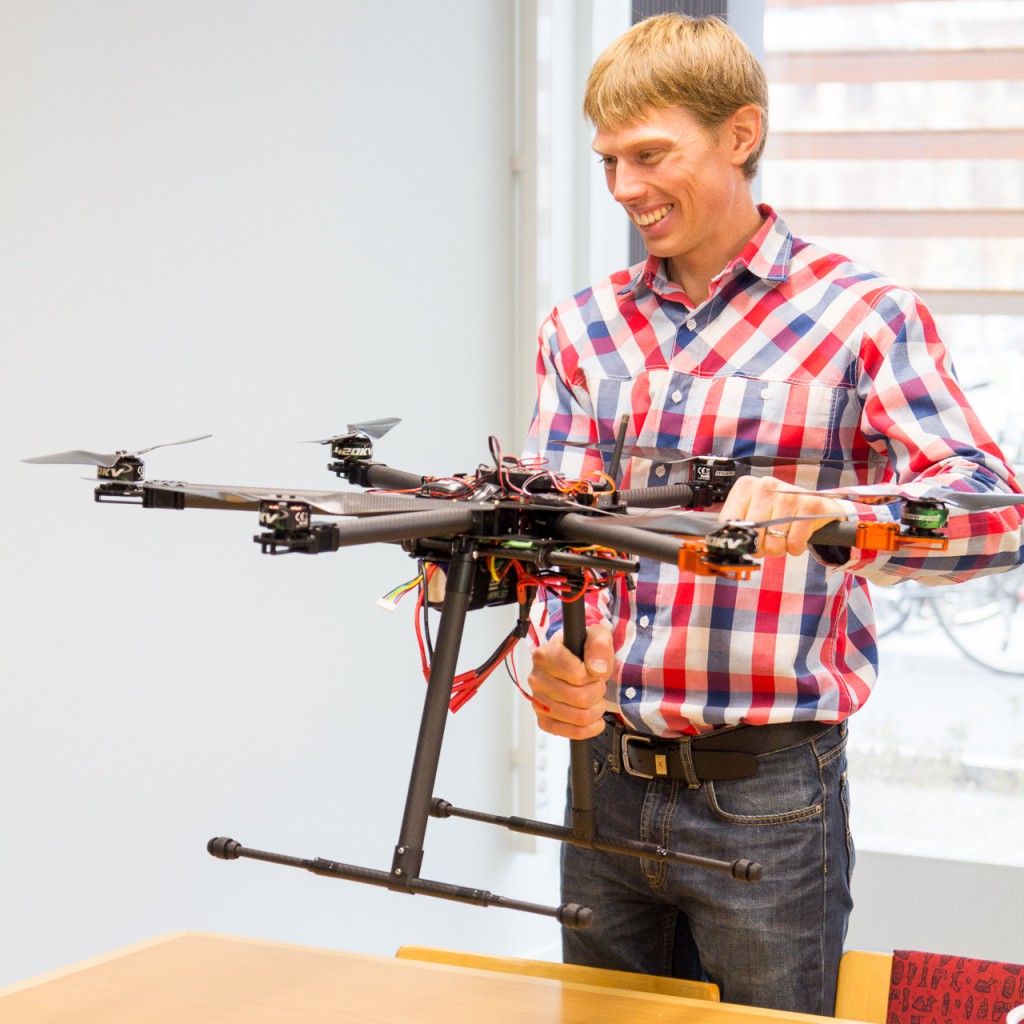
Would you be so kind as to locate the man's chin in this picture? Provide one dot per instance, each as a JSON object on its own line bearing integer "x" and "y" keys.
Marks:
{"x": 662, "y": 250}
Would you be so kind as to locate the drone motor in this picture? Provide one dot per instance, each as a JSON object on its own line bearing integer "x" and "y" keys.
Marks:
{"x": 351, "y": 446}
{"x": 732, "y": 545}
{"x": 121, "y": 481}
{"x": 290, "y": 528}
{"x": 284, "y": 516}
{"x": 923, "y": 517}
{"x": 127, "y": 469}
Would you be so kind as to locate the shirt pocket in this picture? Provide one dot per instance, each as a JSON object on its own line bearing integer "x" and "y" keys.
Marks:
{"x": 611, "y": 397}
{"x": 791, "y": 420}
{"x": 811, "y": 428}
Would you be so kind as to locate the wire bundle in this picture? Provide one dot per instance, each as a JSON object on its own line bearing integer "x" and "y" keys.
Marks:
{"x": 528, "y": 585}
{"x": 509, "y": 478}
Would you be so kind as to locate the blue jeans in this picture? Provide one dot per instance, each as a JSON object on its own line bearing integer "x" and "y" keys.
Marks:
{"x": 775, "y": 943}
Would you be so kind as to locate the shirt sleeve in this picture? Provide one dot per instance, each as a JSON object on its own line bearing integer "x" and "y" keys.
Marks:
{"x": 562, "y": 414}
{"x": 914, "y": 408}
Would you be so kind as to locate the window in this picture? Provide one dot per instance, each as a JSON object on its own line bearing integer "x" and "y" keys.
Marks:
{"x": 897, "y": 138}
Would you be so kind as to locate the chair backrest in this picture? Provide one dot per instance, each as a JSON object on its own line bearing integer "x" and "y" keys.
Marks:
{"x": 933, "y": 987}
{"x": 926, "y": 988}
{"x": 565, "y": 972}
{"x": 863, "y": 989}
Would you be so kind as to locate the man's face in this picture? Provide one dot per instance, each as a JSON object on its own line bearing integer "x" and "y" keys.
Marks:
{"x": 679, "y": 183}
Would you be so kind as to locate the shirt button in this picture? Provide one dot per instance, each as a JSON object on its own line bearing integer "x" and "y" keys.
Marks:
{"x": 660, "y": 471}
{"x": 677, "y": 396}
{"x": 691, "y": 325}
{"x": 645, "y": 621}
{"x": 630, "y": 692}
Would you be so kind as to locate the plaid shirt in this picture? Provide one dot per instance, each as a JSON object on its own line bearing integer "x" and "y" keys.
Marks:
{"x": 797, "y": 352}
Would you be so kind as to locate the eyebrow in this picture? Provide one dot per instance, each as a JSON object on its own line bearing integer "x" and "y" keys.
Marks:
{"x": 646, "y": 142}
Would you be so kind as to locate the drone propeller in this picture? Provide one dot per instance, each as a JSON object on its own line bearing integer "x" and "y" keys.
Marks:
{"x": 880, "y": 494}
{"x": 682, "y": 524}
{"x": 369, "y": 428}
{"x": 103, "y": 459}
{"x": 671, "y": 456}
{"x": 696, "y": 524}
{"x": 331, "y": 503}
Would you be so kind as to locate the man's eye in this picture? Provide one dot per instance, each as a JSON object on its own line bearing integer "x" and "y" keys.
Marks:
{"x": 607, "y": 161}
{"x": 647, "y": 156}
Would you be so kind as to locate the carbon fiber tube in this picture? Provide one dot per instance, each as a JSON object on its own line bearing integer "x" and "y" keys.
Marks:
{"x": 837, "y": 534}
{"x": 662, "y": 548}
{"x": 581, "y": 765}
{"x": 585, "y": 529}
{"x": 458, "y": 591}
{"x": 742, "y": 870}
{"x": 387, "y": 479}
{"x": 440, "y": 520}
{"x": 572, "y": 915}
{"x": 659, "y": 497}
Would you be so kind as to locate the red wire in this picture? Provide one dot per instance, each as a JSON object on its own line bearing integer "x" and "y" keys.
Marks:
{"x": 466, "y": 684}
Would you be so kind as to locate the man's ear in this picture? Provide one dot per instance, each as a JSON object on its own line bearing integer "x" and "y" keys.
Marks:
{"x": 744, "y": 133}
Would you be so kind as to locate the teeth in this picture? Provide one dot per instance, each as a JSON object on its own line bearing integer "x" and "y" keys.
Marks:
{"x": 647, "y": 219}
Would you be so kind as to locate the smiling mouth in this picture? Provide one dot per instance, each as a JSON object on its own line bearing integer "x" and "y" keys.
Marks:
{"x": 645, "y": 220}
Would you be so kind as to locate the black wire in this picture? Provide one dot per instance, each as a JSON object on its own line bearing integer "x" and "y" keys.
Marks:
{"x": 427, "y": 642}
{"x": 495, "y": 449}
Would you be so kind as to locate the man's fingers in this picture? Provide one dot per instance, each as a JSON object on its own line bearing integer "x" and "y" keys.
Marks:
{"x": 551, "y": 690}
{"x": 571, "y": 722}
{"x": 558, "y": 727}
{"x": 569, "y": 693}
{"x": 557, "y": 661}
{"x": 573, "y": 710}
{"x": 768, "y": 500}
{"x": 599, "y": 652}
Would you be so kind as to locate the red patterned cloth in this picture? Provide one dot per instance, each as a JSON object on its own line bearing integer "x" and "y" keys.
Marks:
{"x": 930, "y": 988}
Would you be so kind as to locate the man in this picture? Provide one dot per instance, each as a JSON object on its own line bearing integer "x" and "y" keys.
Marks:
{"x": 734, "y": 339}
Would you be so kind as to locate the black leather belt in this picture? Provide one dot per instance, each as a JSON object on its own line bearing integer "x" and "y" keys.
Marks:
{"x": 723, "y": 754}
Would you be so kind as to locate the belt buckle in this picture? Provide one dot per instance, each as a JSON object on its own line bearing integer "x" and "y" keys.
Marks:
{"x": 632, "y": 737}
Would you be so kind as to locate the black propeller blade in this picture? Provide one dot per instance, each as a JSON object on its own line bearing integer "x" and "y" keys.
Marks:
{"x": 106, "y": 460}
{"x": 369, "y": 428}
{"x": 697, "y": 524}
{"x": 880, "y": 494}
{"x": 671, "y": 456}
{"x": 331, "y": 503}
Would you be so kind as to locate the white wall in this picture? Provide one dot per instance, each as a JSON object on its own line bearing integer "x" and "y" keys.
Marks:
{"x": 934, "y": 905}
{"x": 260, "y": 220}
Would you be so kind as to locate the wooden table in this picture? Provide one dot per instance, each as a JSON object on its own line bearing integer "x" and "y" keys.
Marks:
{"x": 195, "y": 977}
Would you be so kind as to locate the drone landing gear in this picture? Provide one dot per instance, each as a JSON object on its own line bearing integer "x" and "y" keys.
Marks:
{"x": 404, "y": 875}
{"x": 572, "y": 915}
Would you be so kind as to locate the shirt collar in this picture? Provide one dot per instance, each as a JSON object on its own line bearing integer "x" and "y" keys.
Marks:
{"x": 767, "y": 255}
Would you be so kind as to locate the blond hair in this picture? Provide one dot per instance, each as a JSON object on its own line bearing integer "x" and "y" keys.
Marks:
{"x": 672, "y": 60}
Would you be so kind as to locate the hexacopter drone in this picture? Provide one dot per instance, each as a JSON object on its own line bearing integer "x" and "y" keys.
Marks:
{"x": 500, "y": 535}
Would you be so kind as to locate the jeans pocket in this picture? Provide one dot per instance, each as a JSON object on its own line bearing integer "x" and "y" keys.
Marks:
{"x": 786, "y": 788}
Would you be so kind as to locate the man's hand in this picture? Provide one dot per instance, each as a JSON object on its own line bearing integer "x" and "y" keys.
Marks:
{"x": 571, "y": 692}
{"x": 757, "y": 499}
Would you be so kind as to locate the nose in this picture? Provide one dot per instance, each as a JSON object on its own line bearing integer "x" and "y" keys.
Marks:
{"x": 624, "y": 183}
